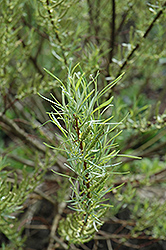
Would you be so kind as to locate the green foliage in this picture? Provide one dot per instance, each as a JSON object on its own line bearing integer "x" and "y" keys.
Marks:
{"x": 13, "y": 193}
{"x": 88, "y": 141}
{"x": 148, "y": 212}
{"x": 144, "y": 199}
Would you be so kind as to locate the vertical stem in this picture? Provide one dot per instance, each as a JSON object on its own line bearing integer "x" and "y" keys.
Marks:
{"x": 112, "y": 40}
{"x": 112, "y": 36}
{"x": 86, "y": 183}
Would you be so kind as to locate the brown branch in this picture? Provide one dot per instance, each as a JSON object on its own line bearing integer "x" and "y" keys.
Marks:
{"x": 21, "y": 160}
{"x": 60, "y": 209}
{"x": 9, "y": 105}
{"x": 124, "y": 16}
{"x": 112, "y": 38}
{"x": 120, "y": 236}
{"x": 144, "y": 36}
{"x": 11, "y": 128}
{"x": 14, "y": 129}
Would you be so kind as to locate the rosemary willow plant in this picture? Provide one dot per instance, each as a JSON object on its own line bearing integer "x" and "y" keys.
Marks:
{"x": 88, "y": 140}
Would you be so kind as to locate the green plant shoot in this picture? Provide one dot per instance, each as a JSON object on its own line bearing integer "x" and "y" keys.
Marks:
{"x": 87, "y": 137}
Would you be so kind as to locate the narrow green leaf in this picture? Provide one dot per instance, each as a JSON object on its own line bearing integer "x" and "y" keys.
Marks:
{"x": 103, "y": 105}
{"x": 79, "y": 81}
{"x": 55, "y": 77}
{"x": 87, "y": 97}
{"x": 53, "y": 118}
{"x": 63, "y": 175}
{"x": 74, "y": 68}
{"x": 110, "y": 85}
{"x": 46, "y": 98}
{"x": 130, "y": 156}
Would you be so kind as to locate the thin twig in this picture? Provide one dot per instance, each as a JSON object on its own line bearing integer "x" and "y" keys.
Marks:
{"x": 9, "y": 105}
{"x": 57, "y": 217}
{"x": 109, "y": 245}
{"x": 95, "y": 245}
{"x": 120, "y": 236}
{"x": 44, "y": 196}
{"x": 112, "y": 38}
{"x": 84, "y": 247}
{"x": 22, "y": 160}
{"x": 124, "y": 16}
{"x": 144, "y": 36}
{"x": 61, "y": 243}
{"x": 13, "y": 128}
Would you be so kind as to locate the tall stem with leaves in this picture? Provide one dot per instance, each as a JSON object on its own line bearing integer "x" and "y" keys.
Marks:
{"x": 88, "y": 140}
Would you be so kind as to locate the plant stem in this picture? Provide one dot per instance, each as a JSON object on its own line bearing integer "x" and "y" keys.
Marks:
{"x": 112, "y": 40}
{"x": 81, "y": 148}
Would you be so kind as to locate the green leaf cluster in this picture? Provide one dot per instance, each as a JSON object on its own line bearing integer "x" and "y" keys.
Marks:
{"x": 88, "y": 139}
{"x": 13, "y": 193}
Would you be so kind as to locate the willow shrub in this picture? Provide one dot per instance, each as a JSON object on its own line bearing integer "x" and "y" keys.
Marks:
{"x": 88, "y": 139}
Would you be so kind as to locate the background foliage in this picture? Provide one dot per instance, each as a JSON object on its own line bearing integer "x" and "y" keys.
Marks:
{"x": 109, "y": 36}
